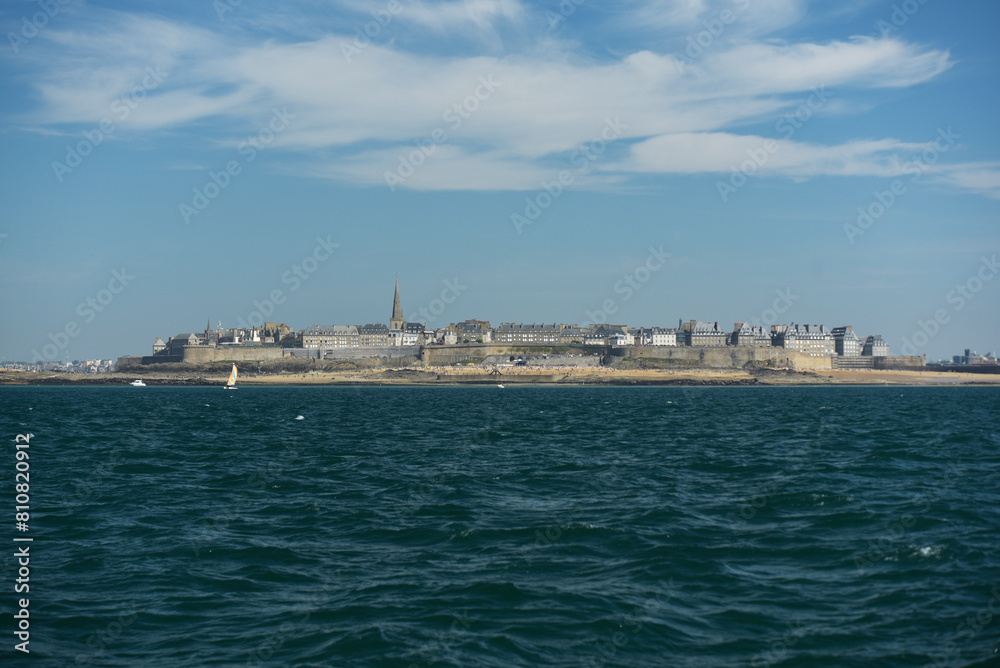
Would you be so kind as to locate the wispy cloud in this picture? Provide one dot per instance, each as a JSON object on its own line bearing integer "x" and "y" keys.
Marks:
{"x": 718, "y": 152}
{"x": 362, "y": 115}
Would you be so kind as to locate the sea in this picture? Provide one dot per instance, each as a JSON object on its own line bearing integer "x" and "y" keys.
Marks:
{"x": 481, "y": 526}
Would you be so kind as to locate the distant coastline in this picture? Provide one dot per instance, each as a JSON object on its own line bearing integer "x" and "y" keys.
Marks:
{"x": 536, "y": 377}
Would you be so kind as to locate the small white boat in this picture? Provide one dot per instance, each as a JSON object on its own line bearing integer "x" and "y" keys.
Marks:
{"x": 137, "y": 383}
{"x": 231, "y": 383}
{"x": 500, "y": 386}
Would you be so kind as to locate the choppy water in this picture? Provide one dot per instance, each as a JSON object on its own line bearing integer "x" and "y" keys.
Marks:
{"x": 529, "y": 526}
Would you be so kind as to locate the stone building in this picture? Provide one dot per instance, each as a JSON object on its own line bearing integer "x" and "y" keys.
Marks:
{"x": 571, "y": 334}
{"x": 745, "y": 334}
{"x": 812, "y": 340}
{"x": 703, "y": 334}
{"x": 175, "y": 346}
{"x": 875, "y": 347}
{"x": 473, "y": 331}
{"x": 374, "y": 335}
{"x": 335, "y": 336}
{"x": 659, "y": 336}
{"x": 508, "y": 332}
{"x": 845, "y": 342}
{"x": 397, "y": 321}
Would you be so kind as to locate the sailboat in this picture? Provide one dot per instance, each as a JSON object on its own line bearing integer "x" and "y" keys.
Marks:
{"x": 231, "y": 383}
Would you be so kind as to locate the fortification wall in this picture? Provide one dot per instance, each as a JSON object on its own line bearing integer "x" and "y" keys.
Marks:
{"x": 900, "y": 362}
{"x": 137, "y": 360}
{"x": 727, "y": 357}
{"x": 392, "y": 352}
{"x": 719, "y": 358}
{"x": 446, "y": 355}
{"x": 208, "y": 354}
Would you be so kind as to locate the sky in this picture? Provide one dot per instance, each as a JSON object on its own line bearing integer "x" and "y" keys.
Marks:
{"x": 169, "y": 163}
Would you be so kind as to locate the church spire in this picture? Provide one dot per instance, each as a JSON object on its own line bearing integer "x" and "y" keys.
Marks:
{"x": 397, "y": 321}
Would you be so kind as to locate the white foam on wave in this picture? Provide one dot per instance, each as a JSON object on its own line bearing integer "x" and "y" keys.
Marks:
{"x": 928, "y": 551}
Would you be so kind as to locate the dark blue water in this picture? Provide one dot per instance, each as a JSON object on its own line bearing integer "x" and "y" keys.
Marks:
{"x": 529, "y": 526}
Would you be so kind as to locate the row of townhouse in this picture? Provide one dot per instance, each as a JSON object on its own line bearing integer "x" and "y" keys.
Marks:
{"x": 813, "y": 340}
{"x": 270, "y": 333}
{"x": 372, "y": 335}
{"x": 848, "y": 344}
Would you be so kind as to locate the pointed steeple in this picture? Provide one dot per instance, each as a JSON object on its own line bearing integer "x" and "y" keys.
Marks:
{"x": 397, "y": 321}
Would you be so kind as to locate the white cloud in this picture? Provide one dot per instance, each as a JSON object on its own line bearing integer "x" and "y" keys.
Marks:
{"x": 982, "y": 178}
{"x": 535, "y": 107}
{"x": 719, "y": 152}
{"x": 726, "y": 20}
{"x": 458, "y": 14}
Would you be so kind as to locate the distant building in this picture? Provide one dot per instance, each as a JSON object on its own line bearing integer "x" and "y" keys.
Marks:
{"x": 335, "y": 336}
{"x": 972, "y": 357}
{"x": 875, "y": 347}
{"x": 413, "y": 333}
{"x": 473, "y": 331}
{"x": 659, "y": 336}
{"x": 703, "y": 334}
{"x": 845, "y": 342}
{"x": 745, "y": 334}
{"x": 158, "y": 346}
{"x": 397, "y": 321}
{"x": 571, "y": 334}
{"x": 619, "y": 339}
{"x": 175, "y": 346}
{"x": 813, "y": 340}
{"x": 374, "y": 335}
{"x": 275, "y": 332}
{"x": 531, "y": 334}
{"x": 601, "y": 335}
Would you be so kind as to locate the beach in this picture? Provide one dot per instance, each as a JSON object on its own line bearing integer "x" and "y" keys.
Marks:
{"x": 472, "y": 375}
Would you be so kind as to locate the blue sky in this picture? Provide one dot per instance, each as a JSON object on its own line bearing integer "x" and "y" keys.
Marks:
{"x": 725, "y": 160}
